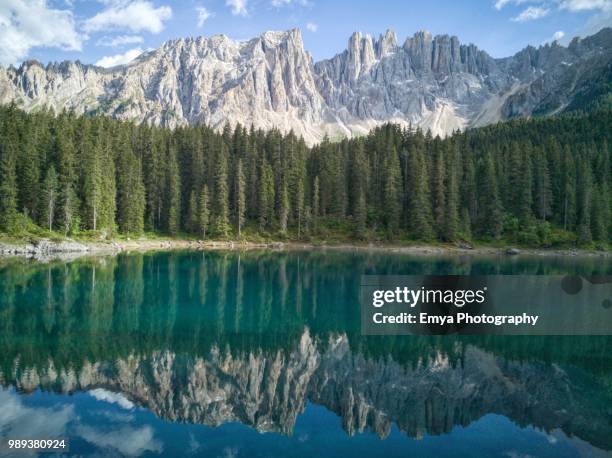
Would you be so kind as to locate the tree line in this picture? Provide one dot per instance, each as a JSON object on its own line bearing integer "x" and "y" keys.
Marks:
{"x": 540, "y": 182}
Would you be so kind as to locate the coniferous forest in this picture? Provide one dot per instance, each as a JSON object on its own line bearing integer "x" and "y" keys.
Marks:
{"x": 539, "y": 182}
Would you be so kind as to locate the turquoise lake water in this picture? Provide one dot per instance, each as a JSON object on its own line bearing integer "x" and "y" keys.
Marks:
{"x": 236, "y": 354}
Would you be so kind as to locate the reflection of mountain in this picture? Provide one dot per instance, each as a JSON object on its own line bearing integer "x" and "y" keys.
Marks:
{"x": 267, "y": 390}
{"x": 218, "y": 337}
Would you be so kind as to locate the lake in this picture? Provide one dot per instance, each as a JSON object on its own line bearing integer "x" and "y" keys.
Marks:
{"x": 260, "y": 353}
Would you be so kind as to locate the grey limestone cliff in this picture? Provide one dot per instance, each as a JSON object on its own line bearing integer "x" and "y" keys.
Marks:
{"x": 432, "y": 82}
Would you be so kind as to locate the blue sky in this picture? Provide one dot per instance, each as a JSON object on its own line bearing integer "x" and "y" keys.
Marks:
{"x": 109, "y": 32}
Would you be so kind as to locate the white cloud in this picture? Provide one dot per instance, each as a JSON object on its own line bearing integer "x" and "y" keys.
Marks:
{"x": 127, "y": 440}
{"x": 114, "y": 398}
{"x": 530, "y": 14}
{"x": 499, "y": 4}
{"x": 238, "y": 7}
{"x": 586, "y": 5}
{"x": 136, "y": 15}
{"x": 19, "y": 420}
{"x": 120, "y": 40}
{"x": 27, "y": 24}
{"x": 557, "y": 36}
{"x": 311, "y": 26}
{"x": 279, "y": 3}
{"x": 203, "y": 15}
{"x": 119, "y": 59}
{"x": 596, "y": 23}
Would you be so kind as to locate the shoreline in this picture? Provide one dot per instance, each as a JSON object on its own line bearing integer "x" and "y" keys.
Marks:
{"x": 46, "y": 249}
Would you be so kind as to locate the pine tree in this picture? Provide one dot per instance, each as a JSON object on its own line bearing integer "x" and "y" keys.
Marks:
{"x": 173, "y": 194}
{"x": 220, "y": 213}
{"x": 108, "y": 194}
{"x": 469, "y": 199}
{"x": 284, "y": 209}
{"x": 92, "y": 183}
{"x": 67, "y": 199}
{"x": 316, "y": 199}
{"x": 600, "y": 214}
{"x": 360, "y": 215}
{"x": 584, "y": 198}
{"x": 28, "y": 175}
{"x": 266, "y": 196}
{"x": 451, "y": 210}
{"x": 8, "y": 183}
{"x": 192, "y": 213}
{"x": 518, "y": 198}
{"x": 466, "y": 224}
{"x": 299, "y": 204}
{"x": 130, "y": 187}
{"x": 49, "y": 198}
{"x": 490, "y": 213}
{"x": 524, "y": 194}
{"x": 419, "y": 207}
{"x": 439, "y": 191}
{"x": 239, "y": 197}
{"x": 568, "y": 190}
{"x": 392, "y": 193}
{"x": 204, "y": 212}
{"x": 543, "y": 193}
{"x": 153, "y": 177}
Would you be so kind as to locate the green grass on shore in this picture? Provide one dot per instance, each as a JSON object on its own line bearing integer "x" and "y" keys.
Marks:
{"x": 328, "y": 232}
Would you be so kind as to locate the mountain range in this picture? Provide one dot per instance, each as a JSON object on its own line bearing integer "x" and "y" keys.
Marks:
{"x": 432, "y": 82}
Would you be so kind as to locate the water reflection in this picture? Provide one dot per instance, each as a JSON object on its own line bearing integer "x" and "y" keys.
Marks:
{"x": 260, "y": 338}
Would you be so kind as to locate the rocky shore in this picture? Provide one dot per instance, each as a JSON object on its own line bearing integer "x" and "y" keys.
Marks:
{"x": 44, "y": 249}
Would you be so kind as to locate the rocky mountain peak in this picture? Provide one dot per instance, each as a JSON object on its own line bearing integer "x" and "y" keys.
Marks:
{"x": 386, "y": 44}
{"x": 435, "y": 83}
{"x": 293, "y": 37}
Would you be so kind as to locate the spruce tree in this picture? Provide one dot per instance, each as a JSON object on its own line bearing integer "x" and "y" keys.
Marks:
{"x": 439, "y": 191}
{"x": 239, "y": 198}
{"x": 490, "y": 213}
{"x": 585, "y": 201}
{"x": 130, "y": 187}
{"x": 419, "y": 207}
{"x": 173, "y": 193}
{"x": 543, "y": 193}
{"x": 92, "y": 183}
{"x": 284, "y": 209}
{"x": 568, "y": 190}
{"x": 299, "y": 204}
{"x": 204, "y": 212}
{"x": 49, "y": 198}
{"x": 220, "y": 213}
{"x": 108, "y": 195}
{"x": 600, "y": 214}
{"x": 392, "y": 193}
{"x": 360, "y": 215}
{"x": 28, "y": 175}
{"x": 192, "y": 213}
{"x": 451, "y": 209}
{"x": 8, "y": 183}
{"x": 524, "y": 191}
{"x": 266, "y": 196}
{"x": 316, "y": 199}
{"x": 67, "y": 199}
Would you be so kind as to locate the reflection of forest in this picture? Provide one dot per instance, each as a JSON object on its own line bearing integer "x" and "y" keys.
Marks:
{"x": 251, "y": 337}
